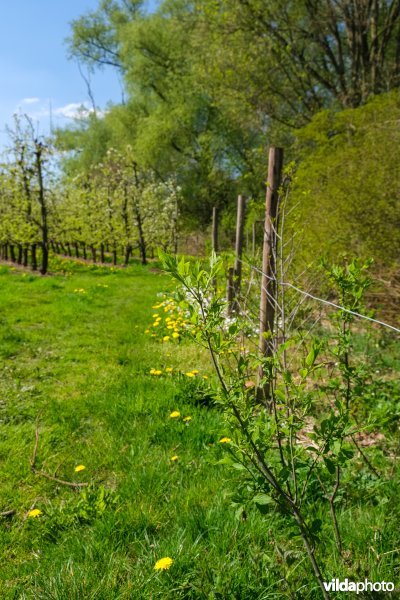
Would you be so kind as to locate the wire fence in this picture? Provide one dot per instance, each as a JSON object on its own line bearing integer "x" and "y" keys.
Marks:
{"x": 278, "y": 282}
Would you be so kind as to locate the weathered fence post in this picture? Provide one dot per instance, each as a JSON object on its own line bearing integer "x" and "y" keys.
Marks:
{"x": 239, "y": 248}
{"x": 230, "y": 291}
{"x": 268, "y": 279}
{"x": 214, "y": 230}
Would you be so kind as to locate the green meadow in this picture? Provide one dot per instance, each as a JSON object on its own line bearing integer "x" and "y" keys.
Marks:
{"x": 77, "y": 391}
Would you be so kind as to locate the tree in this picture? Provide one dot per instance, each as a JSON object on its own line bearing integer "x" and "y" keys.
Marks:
{"x": 28, "y": 195}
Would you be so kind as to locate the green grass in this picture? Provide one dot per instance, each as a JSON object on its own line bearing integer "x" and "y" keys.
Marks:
{"x": 75, "y": 366}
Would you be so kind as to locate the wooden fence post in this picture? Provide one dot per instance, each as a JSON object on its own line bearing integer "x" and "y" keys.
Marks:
{"x": 214, "y": 231}
{"x": 268, "y": 282}
{"x": 239, "y": 248}
{"x": 230, "y": 291}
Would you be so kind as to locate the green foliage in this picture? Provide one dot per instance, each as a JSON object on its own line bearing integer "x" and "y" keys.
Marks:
{"x": 347, "y": 184}
{"x": 280, "y": 460}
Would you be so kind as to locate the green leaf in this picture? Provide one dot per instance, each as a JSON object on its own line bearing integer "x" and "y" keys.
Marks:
{"x": 263, "y": 499}
{"x": 330, "y": 465}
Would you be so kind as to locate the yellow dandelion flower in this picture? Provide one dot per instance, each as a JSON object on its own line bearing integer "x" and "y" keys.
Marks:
{"x": 186, "y": 419}
{"x": 195, "y": 371}
{"x": 152, "y": 371}
{"x": 174, "y": 457}
{"x": 163, "y": 563}
{"x": 147, "y": 331}
{"x": 175, "y": 335}
{"x": 190, "y": 374}
{"x": 169, "y": 327}
{"x": 155, "y": 316}
{"x": 175, "y": 414}
{"x": 166, "y": 338}
{"x": 205, "y": 376}
{"x": 156, "y": 323}
{"x": 169, "y": 370}
{"x": 225, "y": 440}
{"x": 80, "y": 468}
{"x": 34, "y": 513}
{"x": 156, "y": 372}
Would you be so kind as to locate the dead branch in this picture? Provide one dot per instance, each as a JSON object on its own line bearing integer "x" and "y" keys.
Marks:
{"x": 71, "y": 484}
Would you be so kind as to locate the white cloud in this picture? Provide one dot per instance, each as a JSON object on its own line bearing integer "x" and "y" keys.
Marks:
{"x": 30, "y": 100}
{"x": 42, "y": 111}
{"x": 73, "y": 110}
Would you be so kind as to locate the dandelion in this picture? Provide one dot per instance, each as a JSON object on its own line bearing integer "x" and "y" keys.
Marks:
{"x": 155, "y": 316}
{"x": 173, "y": 458}
{"x": 80, "y": 468}
{"x": 175, "y": 414}
{"x": 225, "y": 440}
{"x": 156, "y": 323}
{"x": 166, "y": 338}
{"x": 169, "y": 370}
{"x": 147, "y": 331}
{"x": 163, "y": 563}
{"x": 155, "y": 372}
{"x": 175, "y": 335}
{"x": 34, "y": 513}
{"x": 190, "y": 374}
{"x": 187, "y": 419}
{"x": 205, "y": 376}
{"x": 195, "y": 371}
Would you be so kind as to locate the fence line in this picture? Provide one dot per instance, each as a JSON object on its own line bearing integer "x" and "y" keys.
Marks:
{"x": 322, "y": 300}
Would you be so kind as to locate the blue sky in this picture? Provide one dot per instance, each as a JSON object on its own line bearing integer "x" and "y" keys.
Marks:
{"x": 35, "y": 72}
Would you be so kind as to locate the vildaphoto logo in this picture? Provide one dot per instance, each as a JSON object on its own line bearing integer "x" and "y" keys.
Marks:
{"x": 335, "y": 585}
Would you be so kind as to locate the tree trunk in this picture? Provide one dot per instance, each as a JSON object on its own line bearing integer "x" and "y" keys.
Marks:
{"x": 12, "y": 253}
{"x": 33, "y": 257}
{"x": 43, "y": 208}
{"x": 76, "y": 249}
{"x": 19, "y": 259}
{"x": 93, "y": 251}
{"x": 84, "y": 251}
{"x": 102, "y": 259}
{"x": 25, "y": 254}
{"x": 128, "y": 251}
